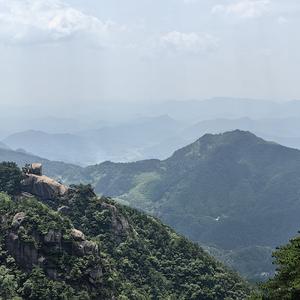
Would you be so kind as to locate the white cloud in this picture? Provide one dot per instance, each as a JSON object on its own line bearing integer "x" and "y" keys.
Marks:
{"x": 188, "y": 42}
{"x": 282, "y": 20}
{"x": 44, "y": 21}
{"x": 243, "y": 8}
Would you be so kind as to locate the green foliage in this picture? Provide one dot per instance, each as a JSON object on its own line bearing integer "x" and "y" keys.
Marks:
{"x": 38, "y": 286}
{"x": 286, "y": 283}
{"x": 153, "y": 256}
{"x": 8, "y": 284}
{"x": 228, "y": 191}
{"x": 10, "y": 178}
{"x": 143, "y": 260}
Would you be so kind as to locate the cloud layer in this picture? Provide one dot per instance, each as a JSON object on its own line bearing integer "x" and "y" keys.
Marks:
{"x": 60, "y": 50}
{"x": 243, "y": 8}
{"x": 44, "y": 21}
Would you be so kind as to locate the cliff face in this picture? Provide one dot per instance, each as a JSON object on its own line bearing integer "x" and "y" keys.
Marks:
{"x": 36, "y": 248}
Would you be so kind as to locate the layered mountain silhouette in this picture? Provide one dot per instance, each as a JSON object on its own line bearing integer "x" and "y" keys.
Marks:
{"x": 56, "y": 169}
{"x": 125, "y": 142}
{"x": 234, "y": 192}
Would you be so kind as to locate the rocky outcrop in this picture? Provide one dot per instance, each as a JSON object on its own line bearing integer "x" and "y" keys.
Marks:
{"x": 119, "y": 224}
{"x": 35, "y": 169}
{"x": 41, "y": 186}
{"x": 25, "y": 254}
{"x": 37, "y": 249}
{"x": 77, "y": 235}
{"x": 18, "y": 219}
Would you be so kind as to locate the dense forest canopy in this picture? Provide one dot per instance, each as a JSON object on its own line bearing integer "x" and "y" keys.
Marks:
{"x": 81, "y": 246}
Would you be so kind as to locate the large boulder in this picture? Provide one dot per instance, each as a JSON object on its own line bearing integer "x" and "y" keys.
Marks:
{"x": 77, "y": 235}
{"x": 43, "y": 187}
{"x": 34, "y": 168}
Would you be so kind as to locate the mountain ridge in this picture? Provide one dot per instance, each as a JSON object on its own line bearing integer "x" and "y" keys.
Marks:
{"x": 225, "y": 191}
{"x": 222, "y": 190}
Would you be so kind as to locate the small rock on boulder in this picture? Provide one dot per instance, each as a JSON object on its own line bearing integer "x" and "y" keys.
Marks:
{"x": 77, "y": 235}
{"x": 34, "y": 168}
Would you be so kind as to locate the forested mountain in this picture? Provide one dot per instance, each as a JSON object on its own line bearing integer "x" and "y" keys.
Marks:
{"x": 231, "y": 192}
{"x": 78, "y": 246}
{"x": 234, "y": 193}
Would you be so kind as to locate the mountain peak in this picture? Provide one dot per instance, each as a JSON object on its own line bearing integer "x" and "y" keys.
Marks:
{"x": 237, "y": 133}
{"x": 209, "y": 143}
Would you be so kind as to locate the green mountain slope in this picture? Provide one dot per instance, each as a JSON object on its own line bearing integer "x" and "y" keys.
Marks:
{"x": 79, "y": 246}
{"x": 229, "y": 191}
{"x": 234, "y": 193}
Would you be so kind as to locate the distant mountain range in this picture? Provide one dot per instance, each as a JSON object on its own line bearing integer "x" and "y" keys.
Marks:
{"x": 63, "y": 147}
{"x": 225, "y": 107}
{"x": 234, "y": 192}
{"x": 126, "y": 142}
{"x": 58, "y": 170}
{"x": 285, "y": 131}
{"x": 159, "y": 136}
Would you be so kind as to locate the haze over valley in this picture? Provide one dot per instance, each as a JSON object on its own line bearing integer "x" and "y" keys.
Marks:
{"x": 141, "y": 133}
{"x": 149, "y": 150}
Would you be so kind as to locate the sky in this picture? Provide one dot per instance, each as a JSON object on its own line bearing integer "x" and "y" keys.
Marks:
{"x": 71, "y": 53}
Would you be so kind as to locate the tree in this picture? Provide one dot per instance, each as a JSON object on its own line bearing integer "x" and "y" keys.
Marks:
{"x": 10, "y": 178}
{"x": 8, "y": 284}
{"x": 286, "y": 283}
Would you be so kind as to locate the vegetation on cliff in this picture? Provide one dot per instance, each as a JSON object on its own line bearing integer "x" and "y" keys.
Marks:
{"x": 84, "y": 247}
{"x": 286, "y": 283}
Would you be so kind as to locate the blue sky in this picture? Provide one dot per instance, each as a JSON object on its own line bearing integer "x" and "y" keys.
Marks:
{"x": 76, "y": 51}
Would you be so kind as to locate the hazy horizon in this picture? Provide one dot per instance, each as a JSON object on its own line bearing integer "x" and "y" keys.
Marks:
{"x": 75, "y": 53}
{"x": 108, "y": 71}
